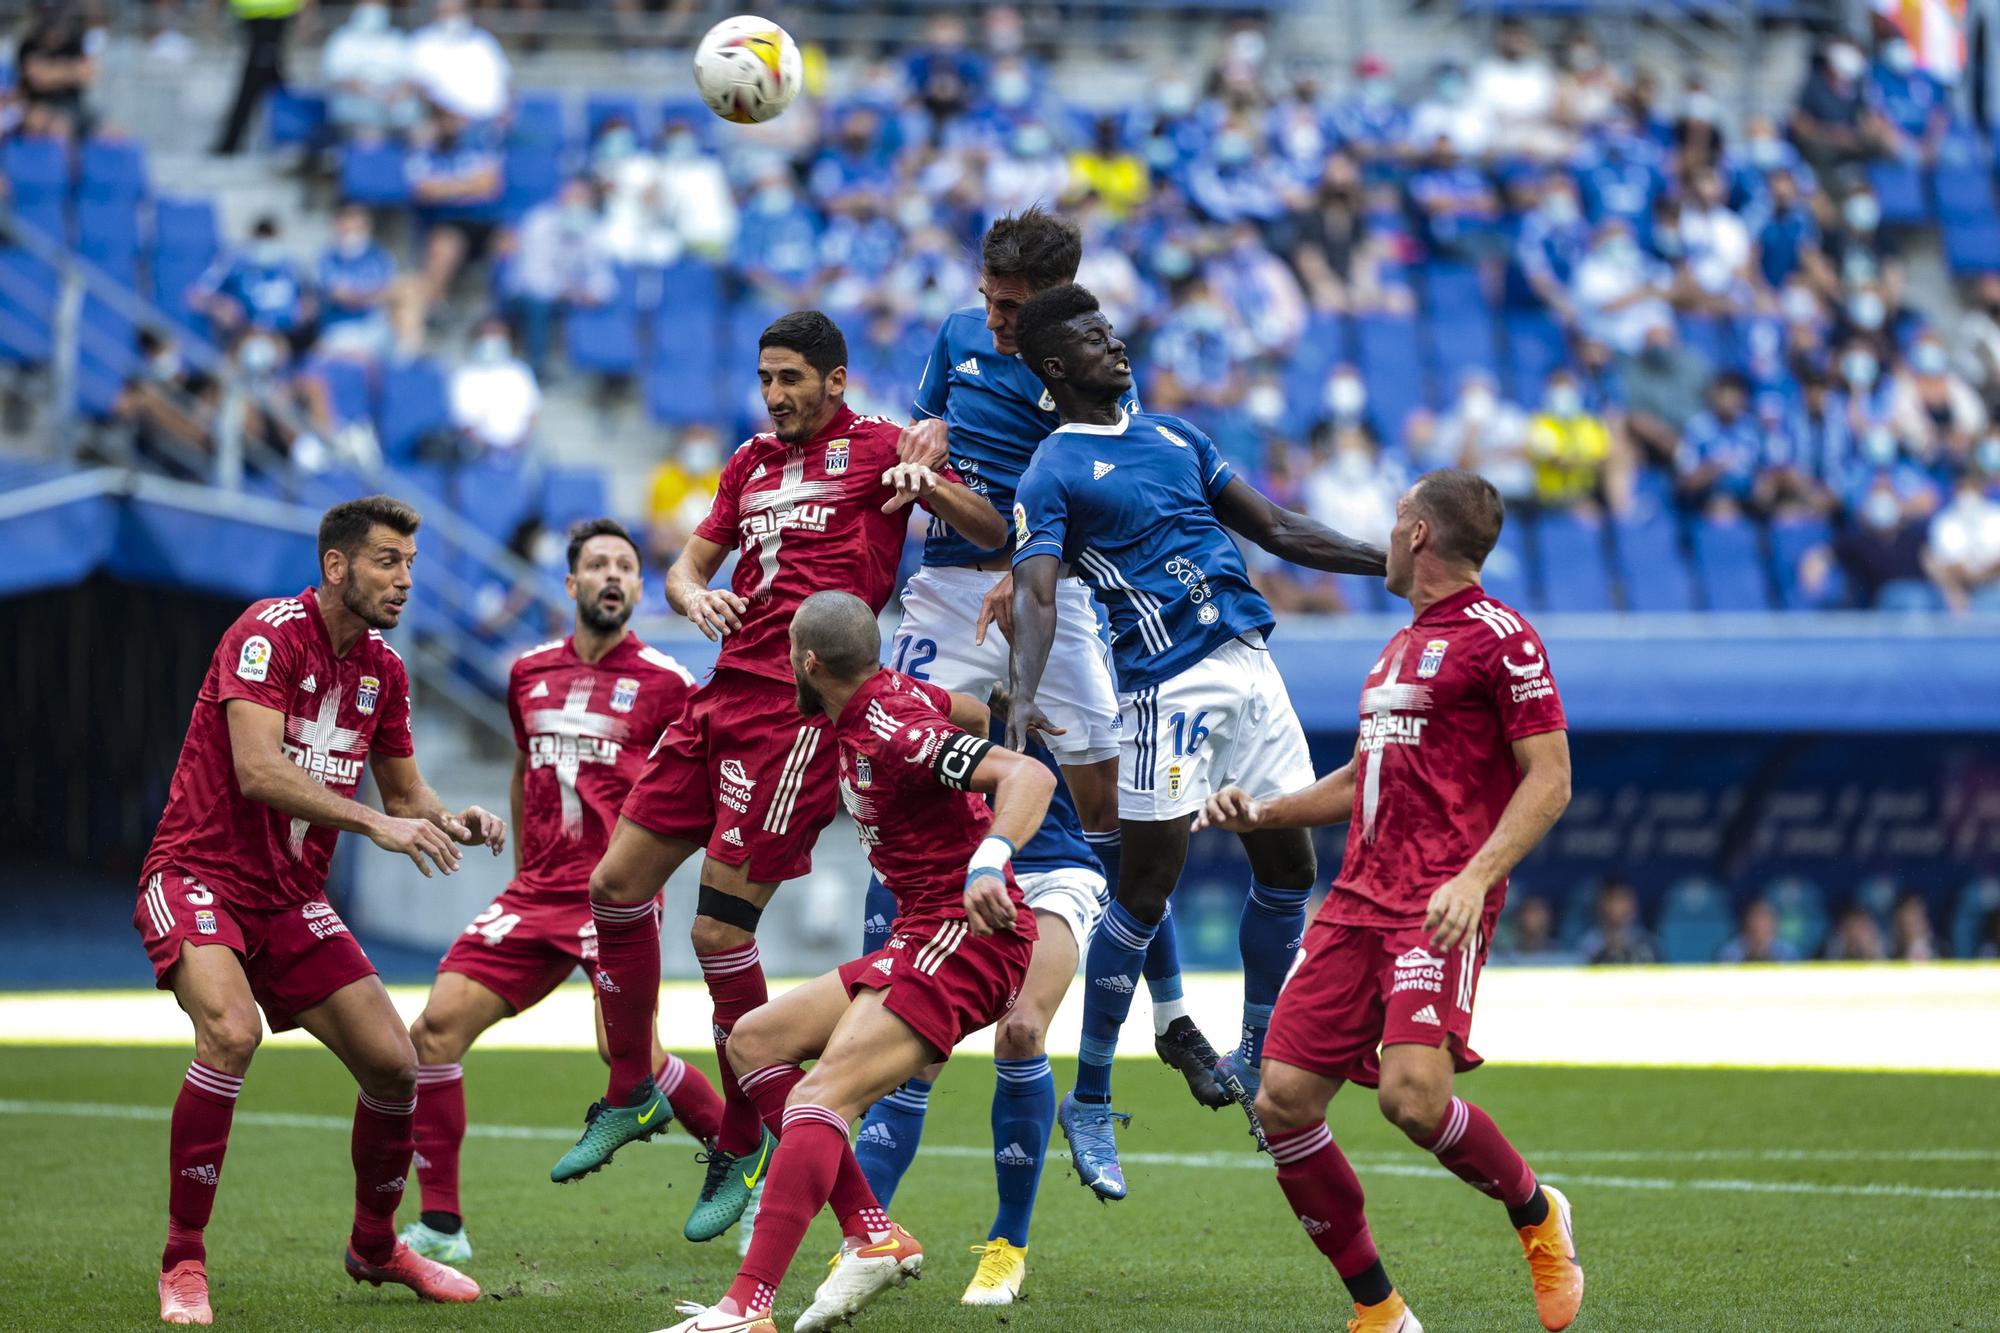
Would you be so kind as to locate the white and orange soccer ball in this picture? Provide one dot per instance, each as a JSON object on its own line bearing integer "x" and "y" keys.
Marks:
{"x": 748, "y": 69}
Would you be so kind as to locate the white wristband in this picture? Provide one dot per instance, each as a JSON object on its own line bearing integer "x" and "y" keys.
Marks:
{"x": 993, "y": 854}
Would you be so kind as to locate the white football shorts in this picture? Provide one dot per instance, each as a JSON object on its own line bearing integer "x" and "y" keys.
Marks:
{"x": 1077, "y": 895}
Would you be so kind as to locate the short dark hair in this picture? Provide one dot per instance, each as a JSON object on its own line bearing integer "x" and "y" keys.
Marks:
{"x": 1464, "y": 511}
{"x": 345, "y": 526}
{"x": 812, "y": 335}
{"x": 1038, "y": 328}
{"x": 1043, "y": 247}
{"x": 598, "y": 527}
{"x": 840, "y": 628}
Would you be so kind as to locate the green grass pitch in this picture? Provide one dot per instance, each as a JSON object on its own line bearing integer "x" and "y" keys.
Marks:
{"x": 1705, "y": 1200}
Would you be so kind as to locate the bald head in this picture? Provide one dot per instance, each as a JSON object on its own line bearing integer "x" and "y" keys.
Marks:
{"x": 835, "y": 645}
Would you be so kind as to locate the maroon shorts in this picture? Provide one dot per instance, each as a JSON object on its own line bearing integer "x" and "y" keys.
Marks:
{"x": 742, "y": 773}
{"x": 294, "y": 957}
{"x": 1355, "y": 989}
{"x": 943, "y": 980}
{"x": 525, "y": 944}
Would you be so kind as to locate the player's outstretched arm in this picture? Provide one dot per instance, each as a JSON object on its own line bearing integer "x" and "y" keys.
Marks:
{"x": 1034, "y": 631}
{"x": 716, "y": 612}
{"x": 1019, "y": 788}
{"x": 968, "y": 513}
{"x": 405, "y": 795}
{"x": 265, "y": 775}
{"x": 1328, "y": 801}
{"x": 1538, "y": 801}
{"x": 1292, "y": 536}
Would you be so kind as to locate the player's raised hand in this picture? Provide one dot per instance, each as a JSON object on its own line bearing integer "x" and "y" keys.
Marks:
{"x": 1453, "y": 911}
{"x": 923, "y": 442}
{"x": 717, "y": 612}
{"x": 913, "y": 481}
{"x": 987, "y": 906}
{"x": 1020, "y": 720}
{"x": 477, "y": 826}
{"x": 1230, "y": 810}
{"x": 420, "y": 840}
{"x": 996, "y": 609}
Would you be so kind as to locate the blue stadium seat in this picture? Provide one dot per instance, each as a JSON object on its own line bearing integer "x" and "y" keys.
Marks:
{"x": 27, "y": 307}
{"x": 1964, "y": 193}
{"x": 1535, "y": 347}
{"x": 413, "y": 406}
{"x": 107, "y": 234}
{"x": 682, "y": 391}
{"x": 347, "y": 389}
{"x": 602, "y": 108}
{"x": 35, "y": 167}
{"x": 1450, "y": 289}
{"x": 1968, "y": 915}
{"x": 1387, "y": 351}
{"x": 1791, "y": 540}
{"x": 572, "y": 494}
{"x": 1899, "y": 187}
{"x": 1714, "y": 336}
{"x": 1461, "y": 340}
{"x": 46, "y": 214}
{"x": 186, "y": 228}
{"x": 1729, "y": 565}
{"x": 602, "y": 340}
{"x": 1801, "y": 909}
{"x": 534, "y": 176}
{"x": 495, "y": 493}
{"x": 294, "y": 118}
{"x": 1971, "y": 246}
{"x": 111, "y": 170}
{"x": 107, "y": 355}
{"x": 1505, "y": 573}
{"x": 374, "y": 174}
{"x": 1364, "y": 596}
{"x": 539, "y": 120}
{"x": 1695, "y": 922}
{"x": 1575, "y": 575}
{"x": 1649, "y": 562}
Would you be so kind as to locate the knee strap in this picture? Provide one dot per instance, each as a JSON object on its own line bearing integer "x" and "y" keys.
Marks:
{"x": 728, "y": 909}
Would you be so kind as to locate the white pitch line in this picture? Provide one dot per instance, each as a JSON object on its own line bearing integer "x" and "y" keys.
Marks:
{"x": 1220, "y": 1161}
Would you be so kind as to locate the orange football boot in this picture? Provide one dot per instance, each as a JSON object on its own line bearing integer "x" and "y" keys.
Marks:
{"x": 1551, "y": 1251}
{"x": 1390, "y": 1316}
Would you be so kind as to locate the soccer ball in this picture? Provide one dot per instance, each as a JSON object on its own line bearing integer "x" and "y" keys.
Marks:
{"x": 748, "y": 69}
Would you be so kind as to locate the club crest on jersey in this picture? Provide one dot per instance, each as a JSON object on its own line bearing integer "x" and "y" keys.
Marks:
{"x": 836, "y": 458}
{"x": 1047, "y": 403}
{"x": 1208, "y": 615}
{"x": 624, "y": 694}
{"x": 864, "y": 772}
{"x": 254, "y": 663}
{"x": 204, "y": 922}
{"x": 1433, "y": 658}
{"x": 365, "y": 696}
{"x": 1174, "y": 781}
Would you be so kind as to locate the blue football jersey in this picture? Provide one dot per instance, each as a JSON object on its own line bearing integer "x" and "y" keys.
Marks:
{"x": 1131, "y": 508}
{"x": 995, "y": 411}
{"x": 1059, "y": 843}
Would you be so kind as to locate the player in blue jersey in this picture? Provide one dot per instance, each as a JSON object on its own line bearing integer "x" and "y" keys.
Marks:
{"x": 1064, "y": 884}
{"x": 1143, "y": 506}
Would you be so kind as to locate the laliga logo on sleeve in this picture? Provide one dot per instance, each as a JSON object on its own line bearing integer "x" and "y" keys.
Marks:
{"x": 1020, "y": 529}
{"x": 255, "y": 661}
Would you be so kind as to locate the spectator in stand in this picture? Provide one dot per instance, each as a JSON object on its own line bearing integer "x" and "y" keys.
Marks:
{"x": 1857, "y": 251}
{"x": 1257, "y": 284}
{"x": 1197, "y": 356}
{"x": 1753, "y": 160}
{"x": 1298, "y": 129}
{"x": 661, "y": 205}
{"x": 456, "y": 180}
{"x": 1620, "y": 175}
{"x": 855, "y": 163}
{"x": 1483, "y": 433}
{"x": 1722, "y": 450}
{"x": 494, "y": 397}
{"x": 1757, "y": 939}
{"x": 680, "y": 492}
{"x": 1665, "y": 386}
{"x": 1788, "y": 241}
{"x": 355, "y": 279}
{"x": 283, "y": 413}
{"x": 1116, "y": 175}
{"x": 1881, "y": 546}
{"x": 266, "y": 23}
{"x": 930, "y": 279}
{"x": 1978, "y": 357}
{"x": 1989, "y": 936}
{"x": 1373, "y": 124}
{"x": 1456, "y": 204}
{"x": 258, "y": 286}
{"x": 366, "y": 69}
{"x": 1913, "y": 107}
{"x": 54, "y": 70}
{"x": 1801, "y": 467}
{"x": 1618, "y": 936}
{"x": 560, "y": 262}
{"x": 1514, "y": 89}
{"x": 945, "y": 73}
{"x": 1449, "y": 114}
{"x": 1912, "y": 938}
{"x": 1345, "y": 396}
{"x": 1820, "y": 439}
{"x": 1551, "y": 245}
{"x": 777, "y": 249}
{"x": 1831, "y": 123}
{"x": 856, "y": 251}
{"x": 1353, "y": 485}
{"x": 1717, "y": 248}
{"x": 1575, "y": 465}
{"x": 1527, "y": 933}
{"x": 167, "y": 405}
{"x": 1587, "y": 87}
{"x": 1934, "y": 412}
{"x": 1032, "y": 170}
{"x": 1237, "y": 177}
{"x": 1963, "y": 554}
{"x": 1856, "y": 938}
{"x": 1324, "y": 236}
{"x": 1620, "y": 294}
{"x": 458, "y": 66}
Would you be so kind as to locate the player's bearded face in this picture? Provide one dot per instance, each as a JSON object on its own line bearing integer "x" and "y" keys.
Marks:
{"x": 1401, "y": 561}
{"x": 799, "y": 398}
{"x": 606, "y": 584}
{"x": 378, "y": 579}
{"x": 809, "y": 701}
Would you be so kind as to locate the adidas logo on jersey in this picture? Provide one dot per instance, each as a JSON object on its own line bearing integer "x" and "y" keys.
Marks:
{"x": 419, "y": 1161}
{"x": 391, "y": 1186}
{"x": 757, "y": 474}
{"x": 1427, "y": 1014}
{"x": 877, "y": 1133}
{"x": 734, "y": 837}
{"x": 876, "y": 923}
{"x": 885, "y": 965}
{"x": 969, "y": 366}
{"x": 1098, "y": 468}
{"x": 1121, "y": 985}
{"x": 202, "y": 1175}
{"x": 541, "y": 690}
{"x": 1313, "y": 1226}
{"x": 310, "y": 684}
{"x": 1013, "y": 1155}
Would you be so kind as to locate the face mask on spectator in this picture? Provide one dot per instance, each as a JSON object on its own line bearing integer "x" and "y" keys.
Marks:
{"x": 1701, "y": 107}
{"x": 1353, "y": 465}
{"x": 1881, "y": 510}
{"x": 371, "y": 18}
{"x": 1879, "y": 446}
{"x": 680, "y": 145}
{"x": 351, "y": 244}
{"x": 617, "y": 144}
{"x": 1173, "y": 262}
{"x": 547, "y": 550}
{"x": 1898, "y": 56}
{"x": 1559, "y": 206}
{"x": 1866, "y": 310}
{"x": 1032, "y": 141}
{"x": 1987, "y": 456}
{"x": 1346, "y": 395}
{"x": 491, "y": 349}
{"x": 1583, "y": 58}
{"x": 700, "y": 456}
{"x": 1862, "y": 212}
{"x": 165, "y": 364}
{"x": 1765, "y": 152}
{"x": 457, "y": 25}
{"x": 267, "y": 253}
{"x": 1174, "y": 97}
{"x": 258, "y": 356}
{"x": 1800, "y": 305}
{"x": 1859, "y": 369}
{"x": 1264, "y": 403}
{"x": 1929, "y": 358}
{"x": 1620, "y": 250}
{"x": 1232, "y": 149}
{"x": 1564, "y": 400}
{"x": 1476, "y": 403}
{"x": 1378, "y": 91}
{"x": 774, "y": 198}
{"x": 1846, "y": 61}
{"x": 1450, "y": 89}
{"x": 1012, "y": 86}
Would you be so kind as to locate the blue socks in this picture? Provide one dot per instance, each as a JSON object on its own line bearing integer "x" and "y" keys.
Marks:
{"x": 889, "y": 1136}
{"x": 1110, "y": 851}
{"x": 878, "y": 917}
{"x": 1273, "y": 922}
{"x": 1024, "y": 1112}
{"x": 1114, "y": 965}
{"x": 1163, "y": 975}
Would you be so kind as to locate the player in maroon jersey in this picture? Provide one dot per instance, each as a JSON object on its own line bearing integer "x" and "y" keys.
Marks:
{"x": 912, "y": 760}
{"x": 813, "y": 505}
{"x": 586, "y": 710}
{"x": 302, "y": 693}
{"x": 1461, "y": 767}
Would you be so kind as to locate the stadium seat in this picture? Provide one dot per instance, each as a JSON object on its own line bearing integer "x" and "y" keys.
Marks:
{"x": 1976, "y": 901}
{"x": 186, "y": 228}
{"x": 1801, "y": 909}
{"x": 1971, "y": 246}
{"x": 1386, "y": 347}
{"x": 46, "y": 214}
{"x": 1791, "y": 541}
{"x": 539, "y": 121}
{"x": 1695, "y": 922}
{"x": 572, "y": 494}
{"x": 107, "y": 234}
{"x": 294, "y": 118}
{"x": 602, "y": 340}
{"x": 1461, "y": 340}
{"x": 680, "y": 392}
{"x": 374, "y": 174}
{"x": 1575, "y": 572}
{"x": 1648, "y": 558}
{"x": 1964, "y": 193}
{"x": 1505, "y": 573}
{"x": 347, "y": 389}
{"x": 35, "y": 167}
{"x": 1449, "y": 288}
{"x": 495, "y": 493}
{"x": 27, "y": 307}
{"x": 1714, "y": 336}
{"x": 1899, "y": 187}
{"x": 1363, "y": 596}
{"x": 534, "y": 176}
{"x": 111, "y": 170}
{"x": 1535, "y": 347}
{"x": 1729, "y": 566}
{"x": 413, "y": 406}
{"x": 599, "y": 109}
